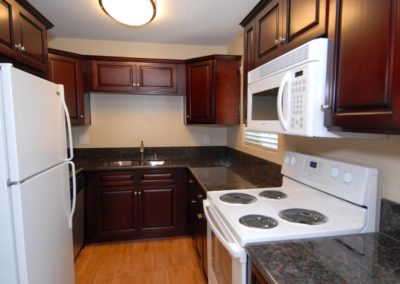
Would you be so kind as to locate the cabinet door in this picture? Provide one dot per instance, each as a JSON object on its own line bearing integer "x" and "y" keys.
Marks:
{"x": 363, "y": 98}
{"x": 158, "y": 210}
{"x": 117, "y": 209}
{"x": 268, "y": 31}
{"x": 200, "y": 95}
{"x": 6, "y": 28}
{"x": 111, "y": 206}
{"x": 32, "y": 36}
{"x": 156, "y": 78}
{"x": 305, "y": 20}
{"x": 113, "y": 76}
{"x": 68, "y": 72}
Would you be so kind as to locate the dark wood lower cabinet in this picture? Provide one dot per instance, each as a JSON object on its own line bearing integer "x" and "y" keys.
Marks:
{"x": 134, "y": 204}
{"x": 198, "y": 222}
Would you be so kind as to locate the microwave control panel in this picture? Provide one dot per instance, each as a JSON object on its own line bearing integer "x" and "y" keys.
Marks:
{"x": 298, "y": 89}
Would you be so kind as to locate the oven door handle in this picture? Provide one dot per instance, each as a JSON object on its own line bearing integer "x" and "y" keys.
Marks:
{"x": 234, "y": 249}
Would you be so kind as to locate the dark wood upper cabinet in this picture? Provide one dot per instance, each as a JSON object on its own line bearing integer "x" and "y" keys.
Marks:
{"x": 268, "y": 30}
{"x": 23, "y": 36}
{"x": 248, "y": 60}
{"x": 365, "y": 83}
{"x": 6, "y": 28}
{"x": 213, "y": 90}
{"x": 281, "y": 25}
{"x": 137, "y": 77}
{"x": 67, "y": 69}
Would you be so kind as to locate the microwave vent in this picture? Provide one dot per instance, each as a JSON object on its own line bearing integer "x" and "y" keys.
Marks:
{"x": 290, "y": 59}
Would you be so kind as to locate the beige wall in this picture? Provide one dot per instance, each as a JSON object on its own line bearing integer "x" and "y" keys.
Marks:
{"x": 383, "y": 155}
{"x": 123, "y": 120}
{"x": 133, "y": 49}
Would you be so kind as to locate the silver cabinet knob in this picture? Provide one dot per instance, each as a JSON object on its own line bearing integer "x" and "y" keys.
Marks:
{"x": 17, "y": 46}
{"x": 140, "y": 192}
{"x": 199, "y": 196}
{"x": 135, "y": 193}
{"x": 22, "y": 48}
{"x": 325, "y": 107}
{"x": 134, "y": 84}
{"x": 81, "y": 116}
{"x": 200, "y": 216}
{"x": 282, "y": 40}
{"x": 188, "y": 116}
{"x": 194, "y": 201}
{"x": 277, "y": 42}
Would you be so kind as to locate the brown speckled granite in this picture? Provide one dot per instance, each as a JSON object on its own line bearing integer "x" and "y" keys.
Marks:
{"x": 367, "y": 258}
{"x": 390, "y": 219}
{"x": 237, "y": 169}
{"x": 220, "y": 178}
{"x": 362, "y": 258}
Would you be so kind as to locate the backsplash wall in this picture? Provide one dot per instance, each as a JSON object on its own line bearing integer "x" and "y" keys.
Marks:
{"x": 125, "y": 120}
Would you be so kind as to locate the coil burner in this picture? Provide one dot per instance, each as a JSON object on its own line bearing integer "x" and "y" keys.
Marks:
{"x": 258, "y": 221}
{"x": 238, "y": 198}
{"x": 303, "y": 216}
{"x": 272, "y": 194}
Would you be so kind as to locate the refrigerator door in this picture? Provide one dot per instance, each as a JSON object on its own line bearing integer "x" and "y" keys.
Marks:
{"x": 41, "y": 208}
{"x": 34, "y": 121}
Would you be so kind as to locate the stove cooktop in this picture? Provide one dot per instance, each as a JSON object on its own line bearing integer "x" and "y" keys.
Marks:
{"x": 334, "y": 216}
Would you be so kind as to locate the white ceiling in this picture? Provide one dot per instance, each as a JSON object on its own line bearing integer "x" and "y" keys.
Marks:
{"x": 196, "y": 22}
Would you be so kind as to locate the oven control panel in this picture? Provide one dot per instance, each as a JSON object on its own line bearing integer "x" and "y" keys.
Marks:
{"x": 351, "y": 182}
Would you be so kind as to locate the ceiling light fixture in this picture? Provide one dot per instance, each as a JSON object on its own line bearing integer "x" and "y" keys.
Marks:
{"x": 130, "y": 12}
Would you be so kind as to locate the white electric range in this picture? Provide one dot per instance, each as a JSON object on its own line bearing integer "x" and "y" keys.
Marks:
{"x": 318, "y": 197}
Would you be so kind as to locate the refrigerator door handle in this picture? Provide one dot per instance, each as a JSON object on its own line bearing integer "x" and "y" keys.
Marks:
{"x": 71, "y": 214}
{"x": 67, "y": 118}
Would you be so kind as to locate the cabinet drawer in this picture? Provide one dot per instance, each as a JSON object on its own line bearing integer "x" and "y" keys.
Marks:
{"x": 116, "y": 178}
{"x": 157, "y": 176}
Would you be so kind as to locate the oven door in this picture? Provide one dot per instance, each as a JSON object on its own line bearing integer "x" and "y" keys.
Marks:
{"x": 226, "y": 258}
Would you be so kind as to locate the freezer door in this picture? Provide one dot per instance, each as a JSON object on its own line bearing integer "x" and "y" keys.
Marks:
{"x": 41, "y": 208}
{"x": 34, "y": 122}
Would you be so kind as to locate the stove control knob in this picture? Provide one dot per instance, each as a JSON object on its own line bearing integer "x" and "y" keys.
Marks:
{"x": 335, "y": 172}
{"x": 293, "y": 160}
{"x": 287, "y": 160}
{"x": 347, "y": 177}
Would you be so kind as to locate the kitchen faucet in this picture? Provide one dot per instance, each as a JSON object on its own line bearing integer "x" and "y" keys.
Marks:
{"x": 141, "y": 151}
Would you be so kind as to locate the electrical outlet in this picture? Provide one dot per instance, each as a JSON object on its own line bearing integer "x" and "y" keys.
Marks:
{"x": 206, "y": 139}
{"x": 84, "y": 139}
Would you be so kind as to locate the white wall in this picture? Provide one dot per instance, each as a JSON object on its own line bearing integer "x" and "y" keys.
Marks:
{"x": 123, "y": 120}
{"x": 383, "y": 155}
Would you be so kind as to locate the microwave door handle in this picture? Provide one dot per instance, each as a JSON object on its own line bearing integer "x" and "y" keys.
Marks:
{"x": 232, "y": 247}
{"x": 284, "y": 82}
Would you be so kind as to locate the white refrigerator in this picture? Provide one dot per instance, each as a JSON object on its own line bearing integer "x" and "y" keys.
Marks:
{"x": 35, "y": 203}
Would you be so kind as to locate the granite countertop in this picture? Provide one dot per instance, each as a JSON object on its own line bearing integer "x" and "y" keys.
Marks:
{"x": 362, "y": 258}
{"x": 220, "y": 178}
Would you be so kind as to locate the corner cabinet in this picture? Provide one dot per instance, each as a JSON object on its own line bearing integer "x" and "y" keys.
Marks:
{"x": 136, "y": 204}
{"x": 67, "y": 69}
{"x": 137, "y": 77}
{"x": 213, "y": 90}
{"x": 366, "y": 73}
{"x": 23, "y": 36}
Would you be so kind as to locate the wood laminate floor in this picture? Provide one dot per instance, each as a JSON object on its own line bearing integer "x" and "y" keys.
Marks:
{"x": 171, "y": 261}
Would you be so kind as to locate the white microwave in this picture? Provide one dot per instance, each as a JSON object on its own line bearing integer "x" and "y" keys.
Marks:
{"x": 286, "y": 95}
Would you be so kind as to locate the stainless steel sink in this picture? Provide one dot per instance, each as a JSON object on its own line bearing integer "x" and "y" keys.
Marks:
{"x": 133, "y": 163}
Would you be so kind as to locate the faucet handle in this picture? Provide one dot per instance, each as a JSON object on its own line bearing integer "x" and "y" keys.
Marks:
{"x": 155, "y": 155}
